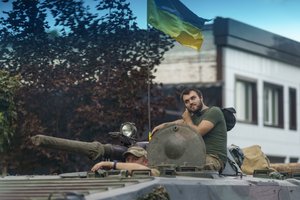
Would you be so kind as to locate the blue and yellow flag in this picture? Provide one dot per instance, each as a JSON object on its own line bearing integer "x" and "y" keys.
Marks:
{"x": 175, "y": 19}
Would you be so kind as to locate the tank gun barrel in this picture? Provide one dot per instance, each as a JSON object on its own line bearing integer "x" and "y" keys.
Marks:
{"x": 92, "y": 150}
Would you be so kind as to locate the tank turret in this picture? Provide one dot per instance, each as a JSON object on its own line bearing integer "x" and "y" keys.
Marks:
{"x": 173, "y": 145}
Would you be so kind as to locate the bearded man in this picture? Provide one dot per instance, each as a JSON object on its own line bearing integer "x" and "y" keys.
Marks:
{"x": 208, "y": 122}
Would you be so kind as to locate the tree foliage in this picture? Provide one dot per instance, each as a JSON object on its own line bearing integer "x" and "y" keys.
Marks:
{"x": 81, "y": 79}
{"x": 8, "y": 115}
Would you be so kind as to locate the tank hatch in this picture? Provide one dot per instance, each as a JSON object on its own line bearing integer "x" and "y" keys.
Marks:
{"x": 176, "y": 145}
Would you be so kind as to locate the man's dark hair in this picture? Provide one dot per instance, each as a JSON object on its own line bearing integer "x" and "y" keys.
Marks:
{"x": 186, "y": 91}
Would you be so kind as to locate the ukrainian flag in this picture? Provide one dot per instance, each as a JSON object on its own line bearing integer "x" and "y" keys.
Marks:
{"x": 175, "y": 19}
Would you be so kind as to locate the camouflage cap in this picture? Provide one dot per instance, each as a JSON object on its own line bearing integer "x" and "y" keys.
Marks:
{"x": 136, "y": 151}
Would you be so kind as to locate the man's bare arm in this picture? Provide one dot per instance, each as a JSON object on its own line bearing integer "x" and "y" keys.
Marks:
{"x": 119, "y": 166}
{"x": 179, "y": 121}
{"x": 203, "y": 128}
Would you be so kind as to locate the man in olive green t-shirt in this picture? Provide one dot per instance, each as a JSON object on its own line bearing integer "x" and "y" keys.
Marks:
{"x": 209, "y": 122}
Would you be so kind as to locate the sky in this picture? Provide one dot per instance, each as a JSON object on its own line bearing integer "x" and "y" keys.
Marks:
{"x": 281, "y": 17}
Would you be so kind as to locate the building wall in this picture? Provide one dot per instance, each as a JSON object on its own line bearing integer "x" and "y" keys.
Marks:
{"x": 185, "y": 65}
{"x": 274, "y": 141}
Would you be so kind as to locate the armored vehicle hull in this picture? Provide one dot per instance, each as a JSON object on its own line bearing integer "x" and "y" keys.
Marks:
{"x": 79, "y": 186}
{"x": 176, "y": 151}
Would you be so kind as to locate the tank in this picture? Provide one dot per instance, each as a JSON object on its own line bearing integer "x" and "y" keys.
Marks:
{"x": 176, "y": 151}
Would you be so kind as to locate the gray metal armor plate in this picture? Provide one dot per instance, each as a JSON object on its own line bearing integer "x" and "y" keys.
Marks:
{"x": 176, "y": 145}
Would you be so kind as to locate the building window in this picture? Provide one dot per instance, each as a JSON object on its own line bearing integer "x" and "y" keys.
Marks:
{"x": 294, "y": 160}
{"x": 276, "y": 159}
{"x": 293, "y": 108}
{"x": 273, "y": 105}
{"x": 246, "y": 101}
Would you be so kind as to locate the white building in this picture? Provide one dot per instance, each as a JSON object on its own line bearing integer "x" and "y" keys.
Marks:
{"x": 253, "y": 70}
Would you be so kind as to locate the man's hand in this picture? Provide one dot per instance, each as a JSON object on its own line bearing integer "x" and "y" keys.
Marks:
{"x": 186, "y": 116}
{"x": 157, "y": 128}
{"x": 102, "y": 165}
{"x": 204, "y": 127}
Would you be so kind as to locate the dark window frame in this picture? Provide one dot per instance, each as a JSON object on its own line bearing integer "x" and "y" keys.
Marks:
{"x": 280, "y": 105}
{"x": 292, "y": 108}
{"x": 254, "y": 100}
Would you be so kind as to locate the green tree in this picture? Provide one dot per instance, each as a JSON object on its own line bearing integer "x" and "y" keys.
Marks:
{"x": 8, "y": 116}
{"x": 80, "y": 81}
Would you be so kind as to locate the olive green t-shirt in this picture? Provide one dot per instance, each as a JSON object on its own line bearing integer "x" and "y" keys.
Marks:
{"x": 216, "y": 139}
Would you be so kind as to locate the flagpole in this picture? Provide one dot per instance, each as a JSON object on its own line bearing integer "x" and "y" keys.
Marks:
{"x": 148, "y": 78}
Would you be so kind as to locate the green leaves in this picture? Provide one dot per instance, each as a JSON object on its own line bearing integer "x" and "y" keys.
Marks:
{"x": 82, "y": 77}
{"x": 8, "y": 116}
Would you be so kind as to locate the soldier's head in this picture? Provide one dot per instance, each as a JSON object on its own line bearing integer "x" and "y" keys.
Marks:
{"x": 136, "y": 154}
{"x": 192, "y": 99}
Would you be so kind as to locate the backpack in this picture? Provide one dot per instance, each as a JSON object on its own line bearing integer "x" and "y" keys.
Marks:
{"x": 235, "y": 158}
{"x": 229, "y": 117}
{"x": 254, "y": 159}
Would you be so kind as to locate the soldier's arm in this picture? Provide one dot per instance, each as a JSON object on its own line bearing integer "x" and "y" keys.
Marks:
{"x": 179, "y": 121}
{"x": 203, "y": 128}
